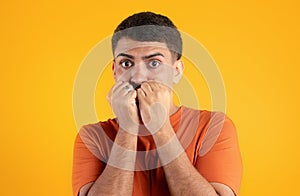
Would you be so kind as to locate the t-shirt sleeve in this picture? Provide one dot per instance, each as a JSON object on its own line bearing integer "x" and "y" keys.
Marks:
{"x": 86, "y": 166}
{"x": 222, "y": 162}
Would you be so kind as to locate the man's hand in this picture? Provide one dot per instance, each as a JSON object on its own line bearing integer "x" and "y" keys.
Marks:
{"x": 122, "y": 98}
{"x": 154, "y": 102}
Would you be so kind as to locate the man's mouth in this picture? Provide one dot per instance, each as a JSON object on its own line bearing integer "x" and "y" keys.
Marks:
{"x": 136, "y": 86}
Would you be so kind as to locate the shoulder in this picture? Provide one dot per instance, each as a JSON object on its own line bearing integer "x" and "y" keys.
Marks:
{"x": 205, "y": 117}
{"x": 219, "y": 130}
{"x": 98, "y": 125}
{"x": 95, "y": 131}
{"x": 210, "y": 125}
{"x": 96, "y": 138}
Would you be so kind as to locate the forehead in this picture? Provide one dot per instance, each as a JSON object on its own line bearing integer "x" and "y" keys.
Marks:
{"x": 126, "y": 45}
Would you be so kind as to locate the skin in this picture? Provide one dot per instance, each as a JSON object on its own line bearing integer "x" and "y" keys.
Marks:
{"x": 151, "y": 65}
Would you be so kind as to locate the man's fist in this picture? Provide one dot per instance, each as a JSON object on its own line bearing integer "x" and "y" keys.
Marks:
{"x": 122, "y": 98}
{"x": 154, "y": 102}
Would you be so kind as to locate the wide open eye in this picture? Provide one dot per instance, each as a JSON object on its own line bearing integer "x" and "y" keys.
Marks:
{"x": 126, "y": 64}
{"x": 154, "y": 63}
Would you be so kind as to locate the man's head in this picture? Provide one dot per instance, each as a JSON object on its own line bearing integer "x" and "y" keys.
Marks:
{"x": 147, "y": 46}
{"x": 149, "y": 27}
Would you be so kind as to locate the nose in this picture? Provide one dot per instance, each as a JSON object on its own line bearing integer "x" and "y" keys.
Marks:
{"x": 139, "y": 75}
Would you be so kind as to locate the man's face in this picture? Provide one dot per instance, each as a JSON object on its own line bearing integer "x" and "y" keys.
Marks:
{"x": 137, "y": 62}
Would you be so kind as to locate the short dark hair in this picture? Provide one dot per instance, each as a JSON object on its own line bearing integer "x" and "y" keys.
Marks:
{"x": 148, "y": 26}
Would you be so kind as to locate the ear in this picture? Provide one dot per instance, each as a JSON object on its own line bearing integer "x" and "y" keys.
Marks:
{"x": 113, "y": 70}
{"x": 178, "y": 71}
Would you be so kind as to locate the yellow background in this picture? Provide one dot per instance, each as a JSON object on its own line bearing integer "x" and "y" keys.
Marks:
{"x": 255, "y": 44}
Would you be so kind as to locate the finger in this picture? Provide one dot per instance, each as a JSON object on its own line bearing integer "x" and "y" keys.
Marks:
{"x": 113, "y": 89}
{"x": 116, "y": 85}
{"x": 127, "y": 90}
{"x": 159, "y": 85}
{"x": 140, "y": 93}
{"x": 119, "y": 89}
{"x": 146, "y": 88}
{"x": 132, "y": 97}
{"x": 132, "y": 94}
{"x": 108, "y": 97}
{"x": 123, "y": 89}
{"x": 155, "y": 84}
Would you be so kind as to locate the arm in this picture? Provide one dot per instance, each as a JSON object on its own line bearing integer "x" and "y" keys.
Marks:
{"x": 219, "y": 162}
{"x": 117, "y": 177}
{"x": 181, "y": 175}
{"x": 117, "y": 180}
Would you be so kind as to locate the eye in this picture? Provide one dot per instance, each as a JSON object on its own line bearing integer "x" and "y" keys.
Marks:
{"x": 154, "y": 63}
{"x": 126, "y": 64}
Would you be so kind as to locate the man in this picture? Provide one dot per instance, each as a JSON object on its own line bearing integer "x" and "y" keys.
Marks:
{"x": 154, "y": 147}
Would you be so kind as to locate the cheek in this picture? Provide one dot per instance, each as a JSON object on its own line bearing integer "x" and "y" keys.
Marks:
{"x": 122, "y": 75}
{"x": 118, "y": 72}
{"x": 164, "y": 74}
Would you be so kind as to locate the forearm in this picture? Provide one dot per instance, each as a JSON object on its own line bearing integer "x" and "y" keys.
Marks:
{"x": 184, "y": 179}
{"x": 181, "y": 175}
{"x": 117, "y": 177}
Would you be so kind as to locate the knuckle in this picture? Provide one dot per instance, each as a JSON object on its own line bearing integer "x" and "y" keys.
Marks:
{"x": 144, "y": 84}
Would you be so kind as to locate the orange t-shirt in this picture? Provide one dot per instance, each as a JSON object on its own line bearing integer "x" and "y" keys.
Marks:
{"x": 209, "y": 139}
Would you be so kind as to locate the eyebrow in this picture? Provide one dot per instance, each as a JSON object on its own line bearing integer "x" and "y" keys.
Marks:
{"x": 125, "y": 55}
{"x": 153, "y": 55}
{"x": 144, "y": 57}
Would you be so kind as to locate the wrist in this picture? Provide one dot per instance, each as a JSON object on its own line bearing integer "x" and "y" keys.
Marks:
{"x": 126, "y": 140}
{"x": 168, "y": 146}
{"x": 131, "y": 128}
{"x": 164, "y": 135}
